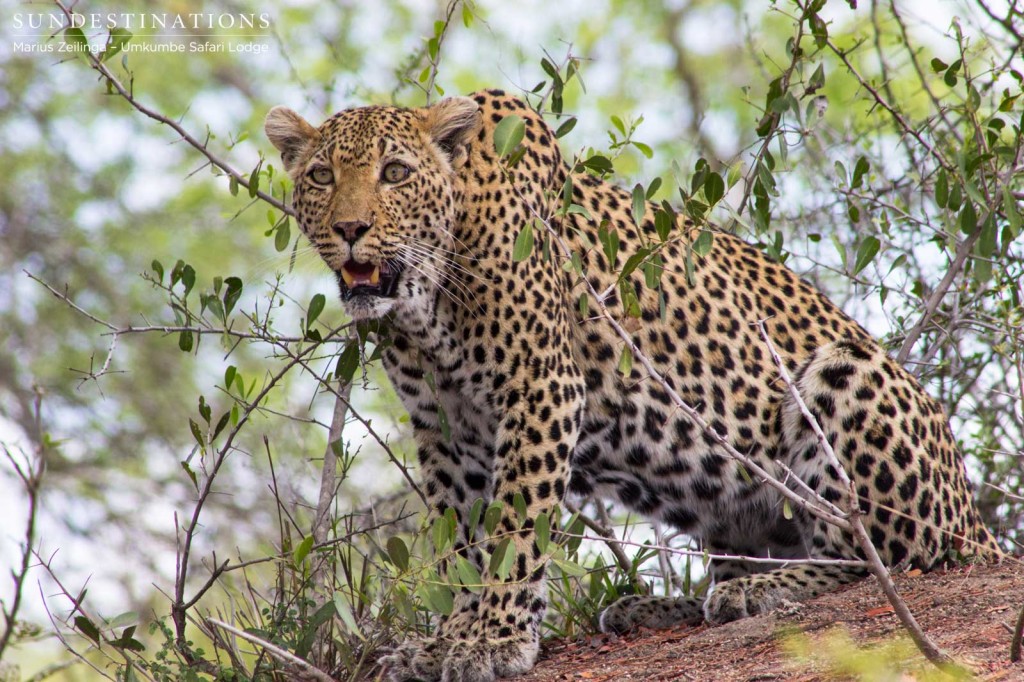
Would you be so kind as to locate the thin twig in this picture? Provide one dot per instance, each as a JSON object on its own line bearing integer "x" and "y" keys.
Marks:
{"x": 240, "y": 178}
{"x": 328, "y": 475}
{"x": 277, "y": 652}
{"x": 608, "y": 537}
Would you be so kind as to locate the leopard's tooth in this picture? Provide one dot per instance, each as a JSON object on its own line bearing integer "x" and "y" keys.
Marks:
{"x": 375, "y": 276}
{"x": 347, "y": 276}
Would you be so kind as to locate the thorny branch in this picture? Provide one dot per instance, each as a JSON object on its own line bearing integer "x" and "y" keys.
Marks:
{"x": 874, "y": 561}
{"x": 128, "y": 96}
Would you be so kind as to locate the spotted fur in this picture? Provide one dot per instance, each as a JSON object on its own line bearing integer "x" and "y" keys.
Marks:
{"x": 537, "y": 408}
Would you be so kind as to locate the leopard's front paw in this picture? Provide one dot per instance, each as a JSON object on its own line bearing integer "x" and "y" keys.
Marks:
{"x": 742, "y": 597}
{"x": 485, "y": 660}
{"x": 459, "y": 660}
{"x": 416, "y": 660}
{"x": 650, "y": 612}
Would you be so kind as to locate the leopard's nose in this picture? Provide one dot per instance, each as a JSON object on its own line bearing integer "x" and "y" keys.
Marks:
{"x": 350, "y": 230}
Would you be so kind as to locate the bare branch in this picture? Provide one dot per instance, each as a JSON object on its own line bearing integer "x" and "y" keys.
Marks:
{"x": 875, "y": 564}
{"x": 305, "y": 670}
{"x": 201, "y": 147}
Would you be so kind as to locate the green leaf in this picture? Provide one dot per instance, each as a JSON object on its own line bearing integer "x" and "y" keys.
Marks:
{"x": 787, "y": 510}
{"x": 840, "y": 248}
{"x": 221, "y": 423}
{"x": 398, "y": 552}
{"x": 440, "y": 535}
{"x": 987, "y": 241}
{"x": 233, "y": 186}
{"x": 652, "y": 271}
{"x": 127, "y": 642}
{"x": 653, "y": 188}
{"x": 523, "y": 246}
{"x": 442, "y": 422}
{"x": 663, "y": 224}
{"x": 197, "y": 433}
{"x": 344, "y": 611}
{"x": 950, "y": 75}
{"x": 474, "y": 516}
{"x": 519, "y": 504}
{"x": 633, "y": 262}
{"x": 569, "y": 568}
{"x": 185, "y": 341}
{"x": 639, "y": 205}
{"x": 859, "y": 171}
{"x": 968, "y": 218}
{"x": 316, "y": 306}
{"x": 897, "y": 264}
{"x": 83, "y": 624}
{"x": 469, "y": 576}
{"x": 1013, "y": 218}
{"x": 191, "y": 474}
{"x": 816, "y": 81}
{"x": 232, "y": 293}
{"x": 77, "y": 40}
{"x": 549, "y": 68}
{"x": 702, "y": 244}
{"x": 542, "y": 531}
{"x": 508, "y": 134}
{"x": 348, "y": 362}
{"x": 956, "y": 197}
{"x": 599, "y": 164}
{"x": 254, "y": 180}
{"x": 116, "y": 41}
{"x": 204, "y": 410}
{"x": 938, "y": 65}
{"x": 158, "y": 268}
{"x": 714, "y": 188}
{"x": 437, "y": 597}
{"x": 302, "y": 551}
{"x": 625, "y": 361}
{"x": 283, "y": 236}
{"x": 820, "y": 31}
{"x": 865, "y": 253}
{"x": 942, "y": 189}
{"x": 579, "y": 210}
{"x": 215, "y": 306}
{"x": 501, "y": 561}
{"x": 644, "y": 149}
{"x": 492, "y": 517}
{"x": 609, "y": 239}
{"x": 566, "y": 127}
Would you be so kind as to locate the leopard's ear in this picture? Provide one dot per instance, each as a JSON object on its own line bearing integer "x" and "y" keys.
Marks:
{"x": 293, "y": 136}
{"x": 453, "y": 123}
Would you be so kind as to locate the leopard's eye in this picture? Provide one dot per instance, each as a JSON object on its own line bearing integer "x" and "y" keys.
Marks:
{"x": 322, "y": 175}
{"x": 395, "y": 172}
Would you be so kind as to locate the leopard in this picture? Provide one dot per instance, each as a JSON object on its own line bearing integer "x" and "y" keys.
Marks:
{"x": 517, "y": 393}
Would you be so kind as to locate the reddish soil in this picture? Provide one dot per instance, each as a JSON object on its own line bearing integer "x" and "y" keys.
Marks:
{"x": 969, "y": 612}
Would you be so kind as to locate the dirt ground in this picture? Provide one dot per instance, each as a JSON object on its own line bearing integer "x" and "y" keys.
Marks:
{"x": 968, "y": 611}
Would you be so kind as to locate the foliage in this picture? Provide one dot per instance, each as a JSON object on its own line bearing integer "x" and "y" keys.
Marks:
{"x": 881, "y": 161}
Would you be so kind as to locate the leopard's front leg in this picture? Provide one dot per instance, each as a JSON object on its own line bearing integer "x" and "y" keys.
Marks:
{"x": 440, "y": 466}
{"x": 497, "y": 633}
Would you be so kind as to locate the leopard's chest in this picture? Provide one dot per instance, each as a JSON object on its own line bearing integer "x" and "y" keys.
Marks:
{"x": 448, "y": 395}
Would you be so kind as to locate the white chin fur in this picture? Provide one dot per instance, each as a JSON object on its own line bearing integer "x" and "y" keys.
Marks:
{"x": 368, "y": 307}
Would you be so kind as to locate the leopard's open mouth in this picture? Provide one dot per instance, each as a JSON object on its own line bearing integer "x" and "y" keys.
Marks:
{"x": 369, "y": 279}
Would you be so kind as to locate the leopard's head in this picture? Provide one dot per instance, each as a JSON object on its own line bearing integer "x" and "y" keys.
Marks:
{"x": 377, "y": 192}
